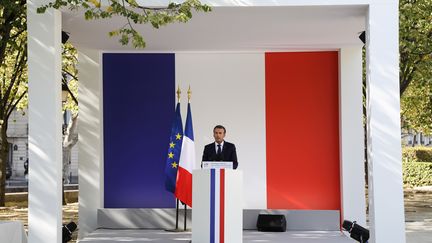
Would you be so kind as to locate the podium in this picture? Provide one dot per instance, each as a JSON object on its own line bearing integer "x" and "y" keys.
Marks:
{"x": 217, "y": 206}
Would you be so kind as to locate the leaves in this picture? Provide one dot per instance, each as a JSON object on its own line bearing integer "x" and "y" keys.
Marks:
{"x": 416, "y": 106}
{"x": 70, "y": 74}
{"x": 417, "y": 173}
{"x": 13, "y": 72}
{"x": 133, "y": 13}
{"x": 13, "y": 58}
{"x": 415, "y": 25}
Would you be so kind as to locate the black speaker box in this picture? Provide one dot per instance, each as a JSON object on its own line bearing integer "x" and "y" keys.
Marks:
{"x": 271, "y": 223}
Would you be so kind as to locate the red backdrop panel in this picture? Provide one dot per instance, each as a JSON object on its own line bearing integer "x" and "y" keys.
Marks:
{"x": 302, "y": 129}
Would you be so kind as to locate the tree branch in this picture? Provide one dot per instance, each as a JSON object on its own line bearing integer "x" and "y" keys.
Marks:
{"x": 5, "y": 34}
{"x": 20, "y": 66}
{"x": 406, "y": 82}
{"x": 70, "y": 92}
{"x": 13, "y": 106}
{"x": 70, "y": 74}
{"x": 127, "y": 17}
{"x": 17, "y": 34}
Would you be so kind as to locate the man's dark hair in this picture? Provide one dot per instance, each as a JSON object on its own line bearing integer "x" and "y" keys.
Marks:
{"x": 219, "y": 127}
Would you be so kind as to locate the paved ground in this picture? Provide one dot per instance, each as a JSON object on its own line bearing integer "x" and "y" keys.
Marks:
{"x": 418, "y": 215}
{"x": 249, "y": 236}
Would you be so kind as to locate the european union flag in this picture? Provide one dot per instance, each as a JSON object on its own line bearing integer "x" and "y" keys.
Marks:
{"x": 172, "y": 162}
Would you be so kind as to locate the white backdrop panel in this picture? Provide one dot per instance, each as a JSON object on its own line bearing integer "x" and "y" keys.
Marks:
{"x": 229, "y": 89}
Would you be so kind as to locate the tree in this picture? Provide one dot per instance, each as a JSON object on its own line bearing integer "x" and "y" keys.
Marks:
{"x": 13, "y": 73}
{"x": 415, "y": 46}
{"x": 70, "y": 83}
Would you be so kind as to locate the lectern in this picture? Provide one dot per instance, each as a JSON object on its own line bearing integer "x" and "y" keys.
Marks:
{"x": 217, "y": 206}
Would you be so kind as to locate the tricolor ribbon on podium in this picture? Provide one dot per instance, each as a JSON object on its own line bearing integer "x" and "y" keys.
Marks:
{"x": 217, "y": 206}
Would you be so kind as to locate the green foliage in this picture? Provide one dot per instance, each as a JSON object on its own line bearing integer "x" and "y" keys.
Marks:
{"x": 13, "y": 76}
{"x": 417, "y": 174}
{"x": 13, "y": 58}
{"x": 416, "y": 105}
{"x": 416, "y": 154}
{"x": 417, "y": 166}
{"x": 70, "y": 77}
{"x": 415, "y": 32}
{"x": 133, "y": 14}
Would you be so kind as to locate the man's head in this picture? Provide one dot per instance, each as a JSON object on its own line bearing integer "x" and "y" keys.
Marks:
{"x": 219, "y": 133}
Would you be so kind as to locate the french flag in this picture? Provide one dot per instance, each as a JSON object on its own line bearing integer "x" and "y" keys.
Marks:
{"x": 187, "y": 163}
{"x": 280, "y": 109}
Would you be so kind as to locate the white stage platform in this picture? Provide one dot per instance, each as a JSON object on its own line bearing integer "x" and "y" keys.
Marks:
{"x": 249, "y": 236}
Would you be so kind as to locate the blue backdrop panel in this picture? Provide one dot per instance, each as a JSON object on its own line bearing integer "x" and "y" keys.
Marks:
{"x": 138, "y": 108}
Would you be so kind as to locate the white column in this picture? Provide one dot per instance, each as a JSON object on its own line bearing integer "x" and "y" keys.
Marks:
{"x": 90, "y": 145}
{"x": 45, "y": 120}
{"x": 386, "y": 206}
{"x": 351, "y": 135}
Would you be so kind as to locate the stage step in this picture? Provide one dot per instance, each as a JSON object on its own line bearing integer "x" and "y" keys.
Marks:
{"x": 164, "y": 218}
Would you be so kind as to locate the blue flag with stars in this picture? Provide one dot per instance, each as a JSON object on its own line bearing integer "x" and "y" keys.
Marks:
{"x": 174, "y": 149}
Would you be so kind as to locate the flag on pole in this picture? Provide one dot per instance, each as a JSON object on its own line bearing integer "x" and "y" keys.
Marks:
{"x": 174, "y": 150}
{"x": 183, "y": 189}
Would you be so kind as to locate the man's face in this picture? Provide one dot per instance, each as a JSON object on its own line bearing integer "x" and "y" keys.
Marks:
{"x": 218, "y": 135}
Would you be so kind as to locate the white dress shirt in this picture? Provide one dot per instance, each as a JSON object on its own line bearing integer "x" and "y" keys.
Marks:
{"x": 221, "y": 144}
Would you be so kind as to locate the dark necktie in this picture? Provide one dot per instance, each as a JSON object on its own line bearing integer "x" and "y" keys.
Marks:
{"x": 219, "y": 151}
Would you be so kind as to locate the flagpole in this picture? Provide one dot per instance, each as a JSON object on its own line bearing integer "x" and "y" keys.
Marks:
{"x": 187, "y": 160}
{"x": 177, "y": 206}
{"x": 185, "y": 206}
{"x": 185, "y": 217}
{"x": 178, "y": 94}
{"x": 177, "y": 213}
{"x": 189, "y": 94}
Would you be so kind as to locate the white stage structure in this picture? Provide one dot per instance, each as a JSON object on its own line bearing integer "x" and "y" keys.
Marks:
{"x": 305, "y": 30}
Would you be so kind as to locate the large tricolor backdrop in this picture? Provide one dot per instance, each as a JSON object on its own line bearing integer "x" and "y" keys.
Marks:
{"x": 280, "y": 109}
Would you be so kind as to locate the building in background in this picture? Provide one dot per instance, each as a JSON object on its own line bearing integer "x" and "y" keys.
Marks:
{"x": 411, "y": 139}
{"x": 18, "y": 147}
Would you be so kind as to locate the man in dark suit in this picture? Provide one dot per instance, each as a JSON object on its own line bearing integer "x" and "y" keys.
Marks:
{"x": 220, "y": 150}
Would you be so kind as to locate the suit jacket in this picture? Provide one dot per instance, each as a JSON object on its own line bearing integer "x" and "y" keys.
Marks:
{"x": 228, "y": 153}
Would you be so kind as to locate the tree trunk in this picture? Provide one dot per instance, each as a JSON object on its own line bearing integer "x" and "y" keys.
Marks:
{"x": 4, "y": 151}
{"x": 365, "y": 117}
{"x": 70, "y": 139}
